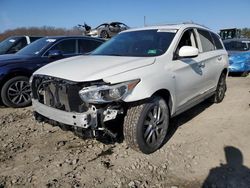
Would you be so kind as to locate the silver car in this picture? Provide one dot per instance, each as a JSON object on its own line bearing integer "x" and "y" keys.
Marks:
{"x": 105, "y": 30}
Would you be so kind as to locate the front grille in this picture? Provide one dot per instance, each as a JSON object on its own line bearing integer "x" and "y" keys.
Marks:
{"x": 58, "y": 93}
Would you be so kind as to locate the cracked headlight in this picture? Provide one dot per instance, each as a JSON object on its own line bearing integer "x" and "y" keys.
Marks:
{"x": 107, "y": 93}
{"x": 93, "y": 32}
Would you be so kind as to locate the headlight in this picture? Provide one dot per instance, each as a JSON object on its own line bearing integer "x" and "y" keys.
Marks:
{"x": 107, "y": 93}
{"x": 93, "y": 32}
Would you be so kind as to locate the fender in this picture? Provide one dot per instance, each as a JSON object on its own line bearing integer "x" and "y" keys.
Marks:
{"x": 150, "y": 83}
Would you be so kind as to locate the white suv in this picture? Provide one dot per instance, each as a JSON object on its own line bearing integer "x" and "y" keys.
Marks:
{"x": 147, "y": 75}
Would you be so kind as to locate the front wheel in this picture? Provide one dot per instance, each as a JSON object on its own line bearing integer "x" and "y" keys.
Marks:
{"x": 104, "y": 34}
{"x": 16, "y": 92}
{"x": 146, "y": 125}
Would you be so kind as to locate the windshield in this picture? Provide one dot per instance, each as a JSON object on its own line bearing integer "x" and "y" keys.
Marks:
{"x": 7, "y": 44}
{"x": 237, "y": 45}
{"x": 144, "y": 43}
{"x": 35, "y": 48}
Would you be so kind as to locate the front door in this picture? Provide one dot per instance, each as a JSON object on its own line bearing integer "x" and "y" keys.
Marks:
{"x": 189, "y": 72}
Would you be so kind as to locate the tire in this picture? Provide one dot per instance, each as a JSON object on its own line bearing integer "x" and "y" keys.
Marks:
{"x": 144, "y": 130}
{"x": 245, "y": 74}
{"x": 104, "y": 34}
{"x": 220, "y": 90}
{"x": 16, "y": 92}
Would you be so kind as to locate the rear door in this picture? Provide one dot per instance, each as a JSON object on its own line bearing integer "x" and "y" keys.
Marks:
{"x": 211, "y": 57}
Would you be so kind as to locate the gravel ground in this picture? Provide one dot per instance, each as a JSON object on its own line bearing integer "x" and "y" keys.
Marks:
{"x": 207, "y": 146}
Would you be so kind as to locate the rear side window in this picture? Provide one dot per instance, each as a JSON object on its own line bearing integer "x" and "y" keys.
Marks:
{"x": 206, "y": 41}
{"x": 217, "y": 42}
{"x": 86, "y": 45}
{"x": 66, "y": 46}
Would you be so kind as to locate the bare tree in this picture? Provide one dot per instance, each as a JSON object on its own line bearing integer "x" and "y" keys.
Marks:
{"x": 39, "y": 31}
{"x": 245, "y": 32}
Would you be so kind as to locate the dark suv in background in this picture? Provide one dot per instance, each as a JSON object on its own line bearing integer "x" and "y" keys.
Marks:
{"x": 13, "y": 44}
{"x": 15, "y": 69}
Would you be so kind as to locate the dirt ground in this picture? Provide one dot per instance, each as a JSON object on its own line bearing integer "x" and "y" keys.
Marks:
{"x": 207, "y": 146}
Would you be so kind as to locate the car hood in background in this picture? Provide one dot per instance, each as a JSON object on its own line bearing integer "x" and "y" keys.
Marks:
{"x": 93, "y": 67}
{"x": 238, "y": 57}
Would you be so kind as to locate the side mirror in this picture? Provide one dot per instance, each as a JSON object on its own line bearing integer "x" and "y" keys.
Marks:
{"x": 54, "y": 54}
{"x": 188, "y": 51}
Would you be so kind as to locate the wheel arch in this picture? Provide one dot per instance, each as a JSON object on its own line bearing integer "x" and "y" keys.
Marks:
{"x": 11, "y": 75}
{"x": 166, "y": 95}
{"x": 225, "y": 71}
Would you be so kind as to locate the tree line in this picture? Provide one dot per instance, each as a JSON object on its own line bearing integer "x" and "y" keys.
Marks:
{"x": 53, "y": 31}
{"x": 245, "y": 32}
{"x": 39, "y": 31}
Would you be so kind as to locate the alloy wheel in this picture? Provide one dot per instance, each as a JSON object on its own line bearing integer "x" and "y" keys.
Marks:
{"x": 221, "y": 87}
{"x": 154, "y": 125}
{"x": 19, "y": 92}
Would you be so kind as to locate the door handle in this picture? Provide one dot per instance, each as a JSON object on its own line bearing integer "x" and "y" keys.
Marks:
{"x": 201, "y": 64}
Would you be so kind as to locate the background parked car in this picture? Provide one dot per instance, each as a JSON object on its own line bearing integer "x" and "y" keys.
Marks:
{"x": 105, "y": 30}
{"x": 13, "y": 44}
{"x": 239, "y": 55}
{"x": 15, "y": 69}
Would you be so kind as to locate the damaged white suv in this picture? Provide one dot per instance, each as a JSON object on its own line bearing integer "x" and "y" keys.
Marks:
{"x": 146, "y": 75}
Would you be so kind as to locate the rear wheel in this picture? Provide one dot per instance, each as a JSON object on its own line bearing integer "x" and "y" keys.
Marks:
{"x": 220, "y": 90}
{"x": 245, "y": 74}
{"x": 146, "y": 125}
{"x": 16, "y": 92}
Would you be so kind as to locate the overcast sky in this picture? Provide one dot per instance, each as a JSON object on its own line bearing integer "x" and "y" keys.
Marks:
{"x": 69, "y": 13}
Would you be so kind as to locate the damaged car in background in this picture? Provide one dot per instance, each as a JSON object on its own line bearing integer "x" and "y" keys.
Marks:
{"x": 239, "y": 55}
{"x": 144, "y": 76}
{"x": 105, "y": 30}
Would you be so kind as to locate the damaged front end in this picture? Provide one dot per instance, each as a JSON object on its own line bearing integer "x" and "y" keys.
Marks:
{"x": 59, "y": 101}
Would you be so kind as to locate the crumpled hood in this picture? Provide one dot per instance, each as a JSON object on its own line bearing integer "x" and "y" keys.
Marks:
{"x": 239, "y": 57}
{"x": 12, "y": 58}
{"x": 93, "y": 67}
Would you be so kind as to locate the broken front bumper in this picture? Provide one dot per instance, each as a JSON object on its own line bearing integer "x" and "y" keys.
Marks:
{"x": 83, "y": 120}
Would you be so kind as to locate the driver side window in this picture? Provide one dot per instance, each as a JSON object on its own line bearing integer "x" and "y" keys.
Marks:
{"x": 187, "y": 39}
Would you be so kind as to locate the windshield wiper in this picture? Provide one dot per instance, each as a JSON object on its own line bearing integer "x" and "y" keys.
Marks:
{"x": 114, "y": 54}
{"x": 108, "y": 54}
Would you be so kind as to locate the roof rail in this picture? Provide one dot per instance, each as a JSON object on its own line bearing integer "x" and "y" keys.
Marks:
{"x": 186, "y": 22}
{"x": 162, "y": 24}
{"x": 191, "y": 22}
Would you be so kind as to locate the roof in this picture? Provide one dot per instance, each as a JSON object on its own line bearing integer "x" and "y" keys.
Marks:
{"x": 169, "y": 26}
